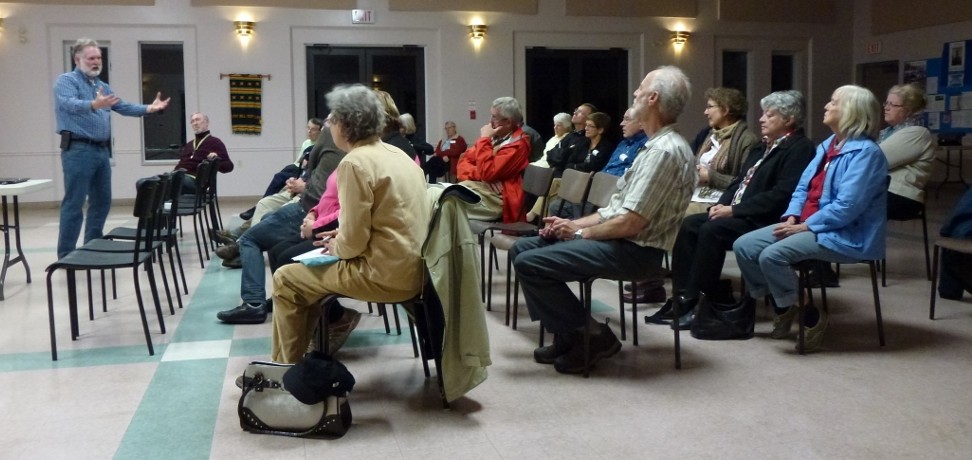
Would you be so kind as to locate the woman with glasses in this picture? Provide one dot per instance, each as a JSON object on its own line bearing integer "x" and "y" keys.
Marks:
{"x": 599, "y": 148}
{"x": 721, "y": 155}
{"x": 910, "y": 151}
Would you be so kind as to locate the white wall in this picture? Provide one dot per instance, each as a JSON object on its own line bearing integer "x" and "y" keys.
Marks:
{"x": 456, "y": 72}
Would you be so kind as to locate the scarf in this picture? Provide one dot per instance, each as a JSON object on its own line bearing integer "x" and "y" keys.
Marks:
{"x": 721, "y": 135}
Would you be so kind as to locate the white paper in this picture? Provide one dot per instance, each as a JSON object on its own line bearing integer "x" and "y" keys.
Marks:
{"x": 931, "y": 85}
{"x": 936, "y": 103}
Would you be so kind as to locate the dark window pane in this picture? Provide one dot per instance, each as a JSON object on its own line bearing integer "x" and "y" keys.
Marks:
{"x": 782, "y": 78}
{"x": 735, "y": 70}
{"x": 163, "y": 70}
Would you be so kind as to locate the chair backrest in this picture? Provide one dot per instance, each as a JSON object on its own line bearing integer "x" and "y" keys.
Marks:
{"x": 603, "y": 186}
{"x": 148, "y": 201}
{"x": 203, "y": 178}
{"x": 536, "y": 182}
{"x": 574, "y": 186}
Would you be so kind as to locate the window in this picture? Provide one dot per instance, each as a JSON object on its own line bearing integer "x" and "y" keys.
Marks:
{"x": 163, "y": 70}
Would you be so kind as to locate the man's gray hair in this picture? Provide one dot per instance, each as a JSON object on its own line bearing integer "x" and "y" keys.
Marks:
{"x": 789, "y": 103}
{"x": 81, "y": 44}
{"x": 674, "y": 91}
{"x": 357, "y": 110}
{"x": 509, "y": 108}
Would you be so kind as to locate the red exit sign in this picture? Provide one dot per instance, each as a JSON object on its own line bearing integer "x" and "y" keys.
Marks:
{"x": 362, "y": 16}
{"x": 873, "y": 47}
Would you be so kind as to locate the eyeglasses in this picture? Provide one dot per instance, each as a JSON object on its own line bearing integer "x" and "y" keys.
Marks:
{"x": 892, "y": 104}
{"x": 496, "y": 118}
{"x": 711, "y": 106}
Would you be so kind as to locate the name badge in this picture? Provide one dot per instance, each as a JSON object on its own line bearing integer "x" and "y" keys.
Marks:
{"x": 624, "y": 156}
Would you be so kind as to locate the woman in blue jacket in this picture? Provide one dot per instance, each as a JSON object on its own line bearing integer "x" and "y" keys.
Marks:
{"x": 837, "y": 212}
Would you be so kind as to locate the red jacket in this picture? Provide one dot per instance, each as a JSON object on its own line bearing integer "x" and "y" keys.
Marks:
{"x": 505, "y": 163}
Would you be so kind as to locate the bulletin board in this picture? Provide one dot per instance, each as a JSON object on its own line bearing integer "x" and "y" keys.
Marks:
{"x": 949, "y": 87}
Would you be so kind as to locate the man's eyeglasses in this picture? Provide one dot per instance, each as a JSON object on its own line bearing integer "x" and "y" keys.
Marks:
{"x": 892, "y": 104}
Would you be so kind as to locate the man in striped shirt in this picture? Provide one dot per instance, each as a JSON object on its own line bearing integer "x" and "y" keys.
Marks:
{"x": 626, "y": 239}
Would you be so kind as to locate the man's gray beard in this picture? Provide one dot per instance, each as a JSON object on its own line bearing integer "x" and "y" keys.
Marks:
{"x": 92, "y": 73}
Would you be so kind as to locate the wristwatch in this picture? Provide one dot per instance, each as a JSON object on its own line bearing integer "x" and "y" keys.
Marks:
{"x": 579, "y": 234}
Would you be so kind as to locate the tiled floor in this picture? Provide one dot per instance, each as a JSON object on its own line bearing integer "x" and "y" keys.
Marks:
{"x": 106, "y": 397}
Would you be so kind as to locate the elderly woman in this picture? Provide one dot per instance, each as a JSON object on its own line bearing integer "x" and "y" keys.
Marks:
{"x": 384, "y": 215}
{"x": 561, "y": 127}
{"x": 721, "y": 156}
{"x": 837, "y": 213}
{"x": 449, "y": 148}
{"x": 754, "y": 199}
{"x": 909, "y": 148}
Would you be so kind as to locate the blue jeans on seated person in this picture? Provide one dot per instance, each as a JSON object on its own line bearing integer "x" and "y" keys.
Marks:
{"x": 87, "y": 176}
{"x": 766, "y": 262}
{"x": 278, "y": 226}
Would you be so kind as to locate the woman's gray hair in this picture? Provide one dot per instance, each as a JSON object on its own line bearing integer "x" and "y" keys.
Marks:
{"x": 860, "y": 112}
{"x": 674, "y": 91}
{"x": 81, "y": 44}
{"x": 563, "y": 120}
{"x": 789, "y": 103}
{"x": 509, "y": 108}
{"x": 912, "y": 96}
{"x": 357, "y": 110}
{"x": 408, "y": 123}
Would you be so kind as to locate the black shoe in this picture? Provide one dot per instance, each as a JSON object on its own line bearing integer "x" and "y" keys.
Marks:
{"x": 827, "y": 277}
{"x": 686, "y": 306}
{"x": 663, "y": 315}
{"x": 646, "y": 295}
{"x": 244, "y": 314}
{"x": 604, "y": 344}
{"x": 248, "y": 214}
{"x": 562, "y": 344}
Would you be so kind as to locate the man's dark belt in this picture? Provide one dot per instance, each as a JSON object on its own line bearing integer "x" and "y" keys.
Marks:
{"x": 89, "y": 141}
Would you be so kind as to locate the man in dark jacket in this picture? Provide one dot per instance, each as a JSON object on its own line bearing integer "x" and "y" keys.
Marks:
{"x": 756, "y": 198}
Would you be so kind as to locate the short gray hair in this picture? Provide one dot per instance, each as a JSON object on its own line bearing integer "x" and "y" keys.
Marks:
{"x": 357, "y": 110}
{"x": 81, "y": 44}
{"x": 789, "y": 103}
{"x": 408, "y": 123}
{"x": 509, "y": 108}
{"x": 674, "y": 90}
{"x": 563, "y": 120}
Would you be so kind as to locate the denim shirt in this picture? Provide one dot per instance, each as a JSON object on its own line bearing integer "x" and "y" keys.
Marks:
{"x": 853, "y": 208}
{"x": 628, "y": 149}
{"x": 73, "y": 93}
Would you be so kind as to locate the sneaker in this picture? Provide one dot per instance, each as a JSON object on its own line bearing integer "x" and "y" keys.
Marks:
{"x": 339, "y": 330}
{"x": 783, "y": 322}
{"x": 244, "y": 314}
{"x": 224, "y": 236}
{"x": 604, "y": 344}
{"x": 562, "y": 344}
{"x": 233, "y": 263}
{"x": 814, "y": 335}
{"x": 228, "y": 251}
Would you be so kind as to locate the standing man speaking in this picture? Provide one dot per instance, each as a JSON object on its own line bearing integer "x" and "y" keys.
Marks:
{"x": 82, "y": 106}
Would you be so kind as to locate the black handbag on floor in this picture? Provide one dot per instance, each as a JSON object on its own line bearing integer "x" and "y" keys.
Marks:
{"x": 714, "y": 321}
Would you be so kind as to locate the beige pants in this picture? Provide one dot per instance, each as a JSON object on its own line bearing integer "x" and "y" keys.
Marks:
{"x": 269, "y": 204}
{"x": 694, "y": 207}
{"x": 491, "y": 206}
{"x": 298, "y": 290}
{"x": 540, "y": 204}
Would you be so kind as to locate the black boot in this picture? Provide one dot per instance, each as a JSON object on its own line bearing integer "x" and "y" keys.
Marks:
{"x": 686, "y": 309}
{"x": 562, "y": 343}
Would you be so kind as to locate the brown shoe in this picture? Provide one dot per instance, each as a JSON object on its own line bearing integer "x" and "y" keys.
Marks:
{"x": 339, "y": 330}
{"x": 228, "y": 252}
{"x": 604, "y": 344}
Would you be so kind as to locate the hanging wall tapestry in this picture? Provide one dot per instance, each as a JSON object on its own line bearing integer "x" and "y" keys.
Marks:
{"x": 246, "y": 93}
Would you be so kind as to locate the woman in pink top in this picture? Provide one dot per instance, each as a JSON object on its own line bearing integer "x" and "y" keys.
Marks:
{"x": 320, "y": 218}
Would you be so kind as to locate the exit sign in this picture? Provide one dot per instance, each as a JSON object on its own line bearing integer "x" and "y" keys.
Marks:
{"x": 873, "y": 47}
{"x": 362, "y": 16}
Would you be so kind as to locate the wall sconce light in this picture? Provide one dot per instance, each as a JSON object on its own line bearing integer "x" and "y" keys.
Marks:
{"x": 244, "y": 28}
{"x": 680, "y": 37}
{"x": 477, "y": 31}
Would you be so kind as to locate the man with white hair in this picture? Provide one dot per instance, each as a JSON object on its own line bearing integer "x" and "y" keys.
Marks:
{"x": 203, "y": 146}
{"x": 82, "y": 106}
{"x": 625, "y": 239}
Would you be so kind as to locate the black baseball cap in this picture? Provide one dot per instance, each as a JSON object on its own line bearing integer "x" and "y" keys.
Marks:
{"x": 316, "y": 377}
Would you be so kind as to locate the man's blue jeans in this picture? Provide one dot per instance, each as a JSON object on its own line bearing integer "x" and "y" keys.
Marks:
{"x": 87, "y": 176}
{"x": 274, "y": 228}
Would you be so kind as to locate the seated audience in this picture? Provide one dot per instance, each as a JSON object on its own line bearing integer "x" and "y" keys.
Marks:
{"x": 590, "y": 160}
{"x": 575, "y": 141}
{"x": 627, "y": 150}
{"x": 755, "y": 199}
{"x": 838, "y": 213}
{"x": 562, "y": 126}
{"x": 629, "y": 236}
{"x": 493, "y": 166}
{"x": 909, "y": 148}
{"x": 384, "y": 215}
